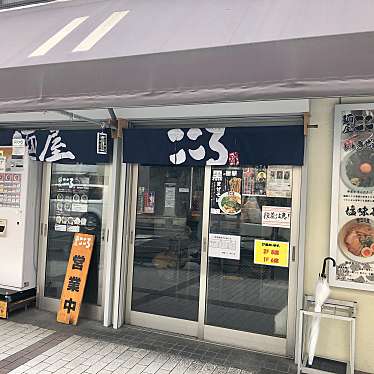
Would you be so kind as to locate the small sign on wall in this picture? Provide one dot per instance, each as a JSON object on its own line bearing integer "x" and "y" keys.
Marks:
{"x": 276, "y": 216}
{"x": 271, "y": 253}
{"x": 75, "y": 279}
{"x": 18, "y": 147}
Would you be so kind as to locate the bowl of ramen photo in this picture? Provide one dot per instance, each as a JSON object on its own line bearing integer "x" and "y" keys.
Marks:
{"x": 230, "y": 202}
{"x": 357, "y": 170}
{"x": 356, "y": 240}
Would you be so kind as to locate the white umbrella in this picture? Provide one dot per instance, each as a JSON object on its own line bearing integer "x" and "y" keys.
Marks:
{"x": 322, "y": 293}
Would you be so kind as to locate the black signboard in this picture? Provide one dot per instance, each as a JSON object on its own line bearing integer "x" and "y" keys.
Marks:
{"x": 63, "y": 146}
{"x": 257, "y": 145}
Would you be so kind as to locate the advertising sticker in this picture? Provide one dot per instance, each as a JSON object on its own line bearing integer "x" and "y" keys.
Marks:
{"x": 254, "y": 181}
{"x": 149, "y": 202}
{"x": 271, "y": 253}
{"x": 352, "y": 208}
{"x": 279, "y": 181}
{"x": 75, "y": 278}
{"x": 225, "y": 193}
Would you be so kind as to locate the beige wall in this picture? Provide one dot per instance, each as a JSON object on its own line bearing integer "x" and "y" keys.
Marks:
{"x": 334, "y": 338}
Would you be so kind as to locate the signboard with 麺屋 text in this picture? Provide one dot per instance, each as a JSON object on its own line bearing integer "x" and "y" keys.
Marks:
{"x": 75, "y": 278}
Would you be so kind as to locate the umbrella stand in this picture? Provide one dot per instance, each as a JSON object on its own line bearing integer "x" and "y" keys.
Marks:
{"x": 337, "y": 310}
{"x": 322, "y": 293}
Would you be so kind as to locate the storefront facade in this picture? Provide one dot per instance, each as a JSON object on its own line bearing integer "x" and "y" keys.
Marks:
{"x": 174, "y": 252}
{"x": 159, "y": 269}
{"x": 177, "y": 278}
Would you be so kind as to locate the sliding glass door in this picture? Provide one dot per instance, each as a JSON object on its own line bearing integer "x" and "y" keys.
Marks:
{"x": 76, "y": 200}
{"x": 213, "y": 253}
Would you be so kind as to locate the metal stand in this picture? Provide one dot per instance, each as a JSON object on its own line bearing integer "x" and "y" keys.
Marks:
{"x": 11, "y": 300}
{"x": 332, "y": 309}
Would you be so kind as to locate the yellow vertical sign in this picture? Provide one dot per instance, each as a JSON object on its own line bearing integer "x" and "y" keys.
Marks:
{"x": 75, "y": 278}
{"x": 3, "y": 309}
{"x": 271, "y": 253}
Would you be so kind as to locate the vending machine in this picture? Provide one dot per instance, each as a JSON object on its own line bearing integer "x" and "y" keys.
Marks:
{"x": 19, "y": 219}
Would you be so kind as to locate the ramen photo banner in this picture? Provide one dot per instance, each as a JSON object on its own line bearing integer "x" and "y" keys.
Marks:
{"x": 352, "y": 207}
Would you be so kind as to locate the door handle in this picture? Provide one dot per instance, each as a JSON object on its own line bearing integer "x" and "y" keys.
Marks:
{"x": 131, "y": 237}
{"x": 293, "y": 256}
{"x": 44, "y": 229}
{"x": 205, "y": 245}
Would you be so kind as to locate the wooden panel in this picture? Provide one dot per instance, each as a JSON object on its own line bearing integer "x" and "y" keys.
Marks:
{"x": 75, "y": 279}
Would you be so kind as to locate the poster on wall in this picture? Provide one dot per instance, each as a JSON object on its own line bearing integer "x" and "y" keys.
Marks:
{"x": 226, "y": 186}
{"x": 254, "y": 181}
{"x": 352, "y": 207}
{"x": 71, "y": 203}
{"x": 170, "y": 195}
{"x": 279, "y": 181}
{"x": 10, "y": 181}
{"x": 149, "y": 202}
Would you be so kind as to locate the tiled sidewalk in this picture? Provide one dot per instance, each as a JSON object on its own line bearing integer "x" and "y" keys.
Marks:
{"x": 92, "y": 348}
{"x": 16, "y": 337}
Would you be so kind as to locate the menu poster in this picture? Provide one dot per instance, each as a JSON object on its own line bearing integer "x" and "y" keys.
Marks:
{"x": 352, "y": 207}
{"x": 279, "y": 181}
{"x": 224, "y": 246}
{"x": 71, "y": 203}
{"x": 140, "y": 202}
{"x": 226, "y": 186}
{"x": 254, "y": 181}
{"x": 10, "y": 190}
{"x": 170, "y": 196}
{"x": 149, "y": 202}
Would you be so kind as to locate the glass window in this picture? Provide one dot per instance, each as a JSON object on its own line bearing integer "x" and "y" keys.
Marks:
{"x": 77, "y": 203}
{"x": 241, "y": 294}
{"x": 166, "y": 270}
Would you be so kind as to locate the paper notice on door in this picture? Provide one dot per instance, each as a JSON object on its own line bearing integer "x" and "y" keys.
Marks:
{"x": 279, "y": 181}
{"x": 271, "y": 253}
{"x": 276, "y": 216}
{"x": 224, "y": 246}
{"x": 169, "y": 197}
